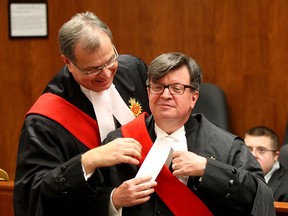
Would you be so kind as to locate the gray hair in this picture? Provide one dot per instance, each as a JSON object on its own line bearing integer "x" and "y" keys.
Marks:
{"x": 82, "y": 27}
{"x": 164, "y": 63}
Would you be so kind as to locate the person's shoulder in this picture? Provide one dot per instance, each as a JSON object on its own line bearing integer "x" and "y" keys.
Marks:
{"x": 129, "y": 67}
{"x": 38, "y": 125}
{"x": 283, "y": 171}
{"x": 130, "y": 59}
{"x": 210, "y": 129}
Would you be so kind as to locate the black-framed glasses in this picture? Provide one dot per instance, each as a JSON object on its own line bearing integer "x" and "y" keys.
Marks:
{"x": 174, "y": 89}
{"x": 261, "y": 150}
{"x": 97, "y": 70}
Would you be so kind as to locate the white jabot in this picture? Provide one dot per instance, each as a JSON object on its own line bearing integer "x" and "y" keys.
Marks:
{"x": 103, "y": 110}
{"x": 107, "y": 104}
{"x": 119, "y": 108}
{"x": 179, "y": 138}
{"x": 161, "y": 153}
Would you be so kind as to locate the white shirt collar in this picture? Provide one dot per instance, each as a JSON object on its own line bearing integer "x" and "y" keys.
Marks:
{"x": 275, "y": 167}
{"x": 180, "y": 142}
{"x": 86, "y": 92}
{"x": 178, "y": 134}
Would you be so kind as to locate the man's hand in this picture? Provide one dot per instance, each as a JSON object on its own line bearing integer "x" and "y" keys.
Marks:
{"x": 121, "y": 150}
{"x": 186, "y": 163}
{"x": 133, "y": 192}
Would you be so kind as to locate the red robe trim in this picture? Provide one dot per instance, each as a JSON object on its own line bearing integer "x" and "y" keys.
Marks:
{"x": 177, "y": 196}
{"x": 78, "y": 123}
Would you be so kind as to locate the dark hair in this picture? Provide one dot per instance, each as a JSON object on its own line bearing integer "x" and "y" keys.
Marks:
{"x": 164, "y": 63}
{"x": 265, "y": 131}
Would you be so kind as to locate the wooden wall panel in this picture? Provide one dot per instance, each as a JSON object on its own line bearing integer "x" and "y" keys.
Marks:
{"x": 6, "y": 198}
{"x": 241, "y": 46}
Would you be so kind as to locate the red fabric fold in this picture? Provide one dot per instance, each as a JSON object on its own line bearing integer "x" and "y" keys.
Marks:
{"x": 78, "y": 123}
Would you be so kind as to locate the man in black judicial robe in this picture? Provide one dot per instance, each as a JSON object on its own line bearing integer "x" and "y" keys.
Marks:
{"x": 233, "y": 182}
{"x": 51, "y": 178}
{"x": 220, "y": 169}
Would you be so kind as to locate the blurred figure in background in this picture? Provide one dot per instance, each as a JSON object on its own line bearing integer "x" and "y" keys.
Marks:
{"x": 263, "y": 143}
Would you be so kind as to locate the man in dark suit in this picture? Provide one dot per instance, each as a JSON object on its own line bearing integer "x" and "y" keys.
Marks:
{"x": 264, "y": 145}
{"x": 212, "y": 170}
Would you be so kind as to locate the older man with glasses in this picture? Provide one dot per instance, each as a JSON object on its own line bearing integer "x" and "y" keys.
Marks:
{"x": 188, "y": 166}
{"x": 263, "y": 143}
{"x": 94, "y": 93}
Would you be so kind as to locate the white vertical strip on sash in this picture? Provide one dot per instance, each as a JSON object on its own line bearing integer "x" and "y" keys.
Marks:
{"x": 157, "y": 156}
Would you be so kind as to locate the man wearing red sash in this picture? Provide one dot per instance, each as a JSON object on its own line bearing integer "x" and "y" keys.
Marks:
{"x": 94, "y": 93}
{"x": 212, "y": 170}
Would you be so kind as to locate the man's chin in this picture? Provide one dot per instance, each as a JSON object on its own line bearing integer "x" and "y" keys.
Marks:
{"x": 97, "y": 87}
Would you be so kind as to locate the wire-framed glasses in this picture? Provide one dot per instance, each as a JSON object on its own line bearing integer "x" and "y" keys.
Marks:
{"x": 261, "y": 150}
{"x": 97, "y": 70}
{"x": 174, "y": 89}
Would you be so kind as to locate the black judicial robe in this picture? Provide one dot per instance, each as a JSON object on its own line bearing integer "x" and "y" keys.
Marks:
{"x": 233, "y": 183}
{"x": 49, "y": 177}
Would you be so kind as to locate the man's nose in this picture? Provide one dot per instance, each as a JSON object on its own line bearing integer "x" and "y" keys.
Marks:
{"x": 254, "y": 152}
{"x": 105, "y": 72}
{"x": 166, "y": 93}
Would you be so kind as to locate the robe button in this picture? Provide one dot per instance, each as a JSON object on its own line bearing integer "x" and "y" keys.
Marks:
{"x": 231, "y": 182}
{"x": 234, "y": 171}
{"x": 228, "y": 195}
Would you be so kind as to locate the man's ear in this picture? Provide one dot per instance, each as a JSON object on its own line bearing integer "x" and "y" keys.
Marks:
{"x": 195, "y": 96}
{"x": 67, "y": 62}
{"x": 276, "y": 155}
{"x": 65, "y": 59}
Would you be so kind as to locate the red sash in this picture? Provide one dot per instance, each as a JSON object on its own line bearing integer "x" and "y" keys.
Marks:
{"x": 177, "y": 196}
{"x": 78, "y": 123}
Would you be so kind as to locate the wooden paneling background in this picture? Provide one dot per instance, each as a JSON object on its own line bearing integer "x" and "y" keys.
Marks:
{"x": 241, "y": 45}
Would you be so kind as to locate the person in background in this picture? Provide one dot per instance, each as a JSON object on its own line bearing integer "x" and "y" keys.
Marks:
{"x": 263, "y": 143}
{"x": 95, "y": 92}
{"x": 212, "y": 170}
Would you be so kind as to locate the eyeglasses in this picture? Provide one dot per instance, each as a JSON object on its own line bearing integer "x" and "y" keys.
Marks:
{"x": 174, "y": 89}
{"x": 97, "y": 70}
{"x": 261, "y": 150}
